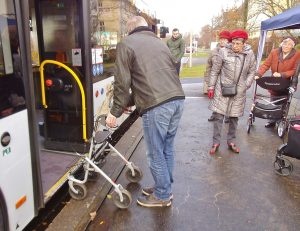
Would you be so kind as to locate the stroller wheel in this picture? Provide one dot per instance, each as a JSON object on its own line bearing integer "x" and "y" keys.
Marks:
{"x": 81, "y": 191}
{"x": 281, "y": 150}
{"x": 127, "y": 199}
{"x": 283, "y": 166}
{"x": 248, "y": 126}
{"x": 281, "y": 128}
{"x": 138, "y": 174}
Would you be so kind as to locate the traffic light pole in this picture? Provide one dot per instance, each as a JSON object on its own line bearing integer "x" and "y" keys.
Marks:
{"x": 191, "y": 48}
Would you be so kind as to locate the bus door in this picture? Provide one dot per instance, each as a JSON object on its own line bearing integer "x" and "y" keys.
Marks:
{"x": 65, "y": 83}
{"x": 17, "y": 206}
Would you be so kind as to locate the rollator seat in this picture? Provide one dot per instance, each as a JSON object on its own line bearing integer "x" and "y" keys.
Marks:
{"x": 101, "y": 136}
{"x": 268, "y": 107}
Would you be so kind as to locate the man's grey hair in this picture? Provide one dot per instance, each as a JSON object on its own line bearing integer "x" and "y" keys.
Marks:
{"x": 134, "y": 22}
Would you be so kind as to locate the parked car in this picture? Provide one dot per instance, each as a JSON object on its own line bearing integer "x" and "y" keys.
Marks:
{"x": 189, "y": 49}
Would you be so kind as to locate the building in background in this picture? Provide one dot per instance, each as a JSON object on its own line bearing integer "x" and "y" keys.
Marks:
{"x": 109, "y": 18}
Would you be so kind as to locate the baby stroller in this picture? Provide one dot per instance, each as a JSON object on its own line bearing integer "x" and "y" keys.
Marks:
{"x": 275, "y": 108}
{"x": 100, "y": 146}
{"x": 282, "y": 165}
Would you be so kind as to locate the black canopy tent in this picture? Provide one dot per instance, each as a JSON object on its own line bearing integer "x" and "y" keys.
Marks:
{"x": 289, "y": 19}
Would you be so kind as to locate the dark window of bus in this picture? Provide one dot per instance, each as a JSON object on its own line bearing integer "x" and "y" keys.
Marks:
{"x": 60, "y": 29}
{"x": 12, "y": 96}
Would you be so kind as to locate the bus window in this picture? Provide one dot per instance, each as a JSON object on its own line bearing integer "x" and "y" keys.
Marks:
{"x": 60, "y": 29}
{"x": 12, "y": 97}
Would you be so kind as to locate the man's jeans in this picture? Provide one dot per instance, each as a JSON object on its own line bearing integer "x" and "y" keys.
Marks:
{"x": 160, "y": 125}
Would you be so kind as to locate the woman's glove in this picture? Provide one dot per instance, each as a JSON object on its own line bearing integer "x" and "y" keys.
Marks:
{"x": 210, "y": 93}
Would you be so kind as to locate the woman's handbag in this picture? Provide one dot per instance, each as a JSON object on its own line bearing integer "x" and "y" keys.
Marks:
{"x": 229, "y": 90}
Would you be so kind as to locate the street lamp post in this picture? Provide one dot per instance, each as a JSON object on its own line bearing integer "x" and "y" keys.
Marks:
{"x": 191, "y": 48}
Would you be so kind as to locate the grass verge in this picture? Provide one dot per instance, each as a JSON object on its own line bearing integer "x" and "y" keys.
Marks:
{"x": 194, "y": 71}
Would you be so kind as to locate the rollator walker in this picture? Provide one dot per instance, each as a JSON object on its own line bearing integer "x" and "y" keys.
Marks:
{"x": 100, "y": 147}
{"x": 269, "y": 107}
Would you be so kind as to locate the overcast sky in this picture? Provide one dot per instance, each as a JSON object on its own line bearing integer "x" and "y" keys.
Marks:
{"x": 188, "y": 15}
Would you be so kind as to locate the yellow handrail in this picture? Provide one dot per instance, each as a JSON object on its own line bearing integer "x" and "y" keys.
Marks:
{"x": 79, "y": 85}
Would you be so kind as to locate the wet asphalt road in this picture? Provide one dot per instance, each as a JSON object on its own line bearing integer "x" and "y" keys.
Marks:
{"x": 238, "y": 192}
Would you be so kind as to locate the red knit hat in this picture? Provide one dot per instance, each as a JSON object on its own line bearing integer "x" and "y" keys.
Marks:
{"x": 239, "y": 34}
{"x": 225, "y": 34}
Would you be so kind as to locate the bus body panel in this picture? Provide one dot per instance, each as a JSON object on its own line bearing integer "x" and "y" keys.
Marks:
{"x": 103, "y": 97}
{"x": 16, "y": 170}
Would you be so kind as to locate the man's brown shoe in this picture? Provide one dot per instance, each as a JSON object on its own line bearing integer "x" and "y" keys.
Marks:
{"x": 151, "y": 201}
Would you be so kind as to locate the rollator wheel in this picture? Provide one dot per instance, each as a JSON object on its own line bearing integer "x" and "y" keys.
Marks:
{"x": 81, "y": 191}
{"x": 138, "y": 174}
{"x": 281, "y": 129}
{"x": 283, "y": 166}
{"x": 127, "y": 199}
{"x": 249, "y": 124}
{"x": 93, "y": 176}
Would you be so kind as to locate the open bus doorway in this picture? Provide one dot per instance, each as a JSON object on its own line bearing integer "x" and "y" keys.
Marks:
{"x": 54, "y": 33}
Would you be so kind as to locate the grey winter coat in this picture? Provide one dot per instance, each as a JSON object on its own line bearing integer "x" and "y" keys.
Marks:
{"x": 210, "y": 64}
{"x": 227, "y": 66}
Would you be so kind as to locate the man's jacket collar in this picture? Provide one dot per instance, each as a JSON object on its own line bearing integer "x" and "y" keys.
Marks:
{"x": 139, "y": 29}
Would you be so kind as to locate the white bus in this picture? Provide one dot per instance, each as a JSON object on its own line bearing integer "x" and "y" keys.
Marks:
{"x": 52, "y": 82}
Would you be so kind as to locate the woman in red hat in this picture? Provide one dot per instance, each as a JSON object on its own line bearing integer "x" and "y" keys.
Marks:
{"x": 224, "y": 38}
{"x": 283, "y": 62}
{"x": 234, "y": 64}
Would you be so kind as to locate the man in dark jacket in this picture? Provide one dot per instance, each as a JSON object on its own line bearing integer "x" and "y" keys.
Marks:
{"x": 176, "y": 46}
{"x": 144, "y": 64}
